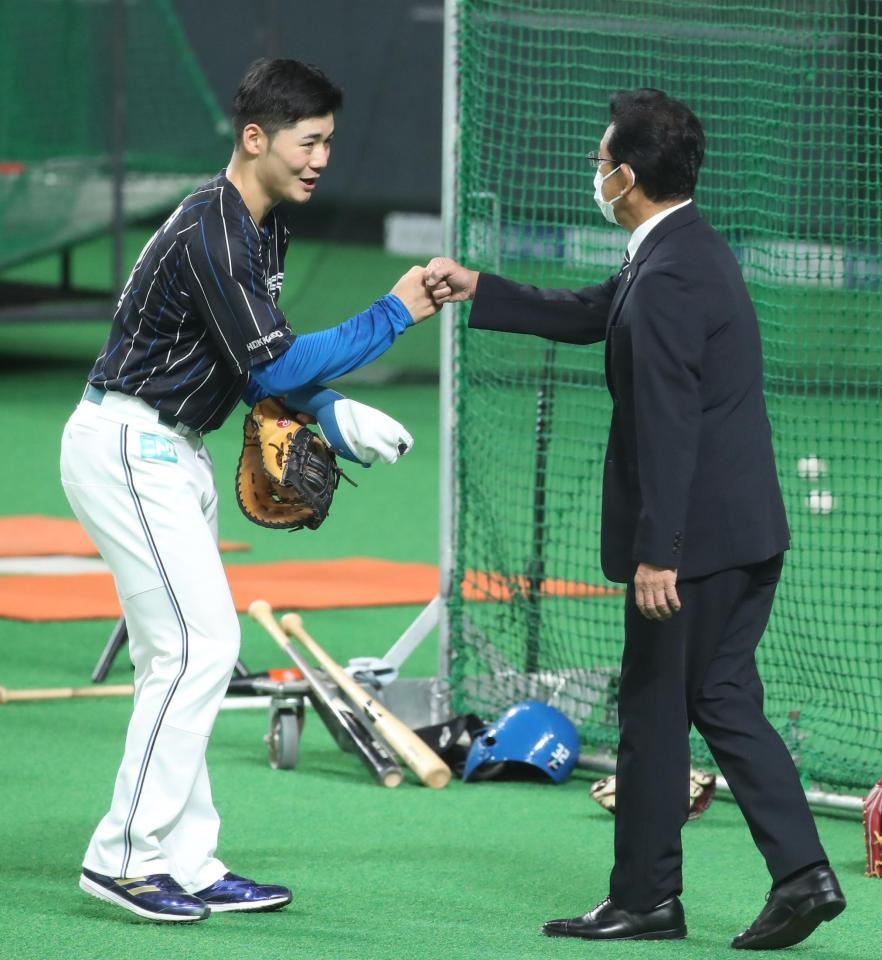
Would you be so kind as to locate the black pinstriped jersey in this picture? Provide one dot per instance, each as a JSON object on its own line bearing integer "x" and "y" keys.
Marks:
{"x": 199, "y": 309}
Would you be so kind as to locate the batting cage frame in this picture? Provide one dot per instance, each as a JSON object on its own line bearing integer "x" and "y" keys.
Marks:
{"x": 470, "y": 660}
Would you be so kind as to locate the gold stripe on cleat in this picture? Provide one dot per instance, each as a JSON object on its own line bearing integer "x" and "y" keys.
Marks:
{"x": 124, "y": 881}
{"x": 147, "y": 888}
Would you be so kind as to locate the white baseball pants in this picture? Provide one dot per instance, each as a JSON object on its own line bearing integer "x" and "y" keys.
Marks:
{"x": 145, "y": 493}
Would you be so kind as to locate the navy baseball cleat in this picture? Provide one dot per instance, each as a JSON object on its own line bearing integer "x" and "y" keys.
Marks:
{"x": 157, "y": 897}
{"x": 236, "y": 893}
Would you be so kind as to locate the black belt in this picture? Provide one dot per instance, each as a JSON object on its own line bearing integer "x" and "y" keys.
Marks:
{"x": 96, "y": 395}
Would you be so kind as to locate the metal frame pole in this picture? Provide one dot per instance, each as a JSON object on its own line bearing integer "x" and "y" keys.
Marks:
{"x": 606, "y": 763}
{"x": 447, "y": 485}
{"x": 536, "y": 566}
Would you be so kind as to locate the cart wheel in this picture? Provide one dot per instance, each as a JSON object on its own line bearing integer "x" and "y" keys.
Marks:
{"x": 284, "y": 740}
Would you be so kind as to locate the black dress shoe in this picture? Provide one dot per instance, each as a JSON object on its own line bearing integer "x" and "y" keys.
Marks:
{"x": 793, "y": 911}
{"x": 609, "y": 922}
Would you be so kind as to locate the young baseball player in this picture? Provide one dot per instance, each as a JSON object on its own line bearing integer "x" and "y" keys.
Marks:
{"x": 196, "y": 329}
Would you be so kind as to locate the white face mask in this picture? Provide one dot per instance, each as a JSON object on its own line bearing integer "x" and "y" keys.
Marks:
{"x": 606, "y": 206}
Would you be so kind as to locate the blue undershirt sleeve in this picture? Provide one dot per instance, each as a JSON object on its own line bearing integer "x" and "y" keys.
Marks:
{"x": 329, "y": 354}
{"x": 254, "y": 392}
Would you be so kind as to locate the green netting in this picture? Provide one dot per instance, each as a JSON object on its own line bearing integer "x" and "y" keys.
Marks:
{"x": 789, "y": 95}
{"x": 57, "y": 75}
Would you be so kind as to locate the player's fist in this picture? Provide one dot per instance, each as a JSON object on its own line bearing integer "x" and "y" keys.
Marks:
{"x": 449, "y": 281}
{"x": 411, "y": 290}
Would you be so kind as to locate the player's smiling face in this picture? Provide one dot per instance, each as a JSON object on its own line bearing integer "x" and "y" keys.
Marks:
{"x": 296, "y": 158}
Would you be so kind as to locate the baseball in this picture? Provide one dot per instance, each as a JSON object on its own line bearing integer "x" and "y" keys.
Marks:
{"x": 820, "y": 501}
{"x": 811, "y": 467}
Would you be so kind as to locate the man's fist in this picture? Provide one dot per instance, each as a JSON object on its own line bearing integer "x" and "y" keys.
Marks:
{"x": 411, "y": 290}
{"x": 449, "y": 281}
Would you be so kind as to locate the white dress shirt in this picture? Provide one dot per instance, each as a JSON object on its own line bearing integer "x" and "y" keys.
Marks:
{"x": 641, "y": 233}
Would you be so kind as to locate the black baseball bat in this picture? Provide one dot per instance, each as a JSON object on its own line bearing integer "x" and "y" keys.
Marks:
{"x": 342, "y": 723}
{"x": 259, "y": 684}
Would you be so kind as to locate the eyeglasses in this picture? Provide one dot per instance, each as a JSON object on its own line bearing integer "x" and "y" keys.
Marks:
{"x": 597, "y": 161}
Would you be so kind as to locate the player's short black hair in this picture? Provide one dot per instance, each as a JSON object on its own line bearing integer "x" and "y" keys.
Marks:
{"x": 280, "y": 93}
{"x": 661, "y": 139}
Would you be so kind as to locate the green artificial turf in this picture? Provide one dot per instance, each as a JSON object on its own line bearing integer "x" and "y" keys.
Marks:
{"x": 467, "y": 873}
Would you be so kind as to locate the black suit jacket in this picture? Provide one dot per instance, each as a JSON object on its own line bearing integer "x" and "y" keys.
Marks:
{"x": 689, "y": 479}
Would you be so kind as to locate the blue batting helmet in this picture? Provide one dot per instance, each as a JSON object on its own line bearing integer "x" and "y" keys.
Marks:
{"x": 530, "y": 733}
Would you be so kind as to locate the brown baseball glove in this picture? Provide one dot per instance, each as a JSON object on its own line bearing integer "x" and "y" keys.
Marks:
{"x": 702, "y": 787}
{"x": 287, "y": 475}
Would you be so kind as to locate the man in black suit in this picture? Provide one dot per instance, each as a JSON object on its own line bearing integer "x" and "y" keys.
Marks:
{"x": 693, "y": 521}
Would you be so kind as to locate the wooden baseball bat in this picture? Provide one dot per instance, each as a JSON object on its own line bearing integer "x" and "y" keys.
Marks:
{"x": 337, "y": 716}
{"x": 424, "y": 762}
{"x": 65, "y": 693}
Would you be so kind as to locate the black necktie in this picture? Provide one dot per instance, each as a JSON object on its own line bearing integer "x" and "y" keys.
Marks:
{"x": 626, "y": 262}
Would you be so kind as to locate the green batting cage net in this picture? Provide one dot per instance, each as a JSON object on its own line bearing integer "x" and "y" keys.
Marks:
{"x": 64, "y": 65}
{"x": 789, "y": 95}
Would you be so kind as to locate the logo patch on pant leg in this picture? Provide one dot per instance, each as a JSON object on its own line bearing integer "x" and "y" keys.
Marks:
{"x": 154, "y": 447}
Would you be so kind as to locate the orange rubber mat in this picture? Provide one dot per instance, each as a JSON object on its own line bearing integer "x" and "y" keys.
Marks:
{"x": 291, "y": 585}
{"x": 36, "y": 536}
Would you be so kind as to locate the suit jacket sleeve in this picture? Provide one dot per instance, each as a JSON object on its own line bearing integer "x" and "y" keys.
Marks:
{"x": 668, "y": 338}
{"x": 567, "y": 316}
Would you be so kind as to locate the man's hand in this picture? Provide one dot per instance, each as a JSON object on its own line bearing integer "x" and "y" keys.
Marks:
{"x": 411, "y": 290}
{"x": 449, "y": 281}
{"x": 655, "y": 590}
